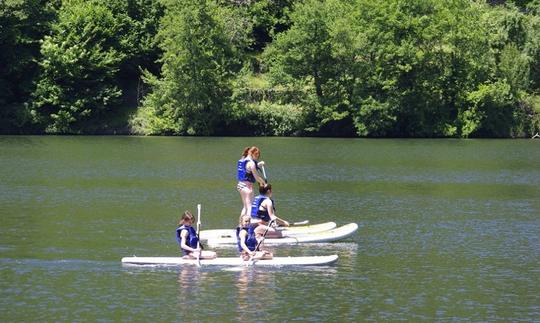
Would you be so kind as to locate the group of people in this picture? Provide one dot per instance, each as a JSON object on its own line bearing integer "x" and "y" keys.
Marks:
{"x": 257, "y": 217}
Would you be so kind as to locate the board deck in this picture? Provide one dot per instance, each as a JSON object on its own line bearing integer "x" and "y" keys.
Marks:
{"x": 289, "y": 231}
{"x": 232, "y": 261}
{"x": 335, "y": 234}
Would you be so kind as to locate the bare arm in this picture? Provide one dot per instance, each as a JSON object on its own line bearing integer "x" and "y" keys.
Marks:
{"x": 251, "y": 167}
{"x": 270, "y": 207}
{"x": 183, "y": 238}
{"x": 243, "y": 236}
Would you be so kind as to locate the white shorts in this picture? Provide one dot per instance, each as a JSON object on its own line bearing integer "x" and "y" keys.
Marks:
{"x": 244, "y": 186}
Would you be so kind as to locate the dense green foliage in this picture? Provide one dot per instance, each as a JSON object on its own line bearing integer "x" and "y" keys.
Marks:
{"x": 375, "y": 68}
{"x": 80, "y": 82}
{"x": 22, "y": 25}
{"x": 421, "y": 68}
{"x": 199, "y": 59}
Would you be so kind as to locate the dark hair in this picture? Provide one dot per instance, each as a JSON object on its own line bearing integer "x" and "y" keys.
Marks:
{"x": 263, "y": 189}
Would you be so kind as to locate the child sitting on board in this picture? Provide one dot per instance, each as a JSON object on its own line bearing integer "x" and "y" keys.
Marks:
{"x": 188, "y": 239}
{"x": 247, "y": 241}
{"x": 263, "y": 212}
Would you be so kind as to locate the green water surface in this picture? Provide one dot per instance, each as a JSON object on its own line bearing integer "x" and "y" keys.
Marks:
{"x": 449, "y": 229}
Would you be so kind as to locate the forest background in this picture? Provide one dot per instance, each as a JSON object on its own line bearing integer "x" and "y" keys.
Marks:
{"x": 348, "y": 68}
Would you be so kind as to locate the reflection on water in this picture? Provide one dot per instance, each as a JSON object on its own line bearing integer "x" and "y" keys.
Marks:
{"x": 190, "y": 279}
{"x": 245, "y": 297}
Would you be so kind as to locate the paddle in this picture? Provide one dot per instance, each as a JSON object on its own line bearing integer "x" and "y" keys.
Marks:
{"x": 264, "y": 174}
{"x": 251, "y": 261}
{"x": 292, "y": 223}
{"x": 198, "y": 232}
{"x": 266, "y": 181}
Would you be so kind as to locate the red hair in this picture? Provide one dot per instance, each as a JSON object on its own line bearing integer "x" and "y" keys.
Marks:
{"x": 254, "y": 150}
{"x": 246, "y": 151}
{"x": 251, "y": 151}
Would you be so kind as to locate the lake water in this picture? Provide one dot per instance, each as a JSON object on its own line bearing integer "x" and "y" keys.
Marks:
{"x": 449, "y": 229}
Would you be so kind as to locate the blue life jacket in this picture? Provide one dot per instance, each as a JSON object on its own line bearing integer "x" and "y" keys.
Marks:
{"x": 251, "y": 240}
{"x": 260, "y": 214}
{"x": 242, "y": 174}
{"x": 191, "y": 240}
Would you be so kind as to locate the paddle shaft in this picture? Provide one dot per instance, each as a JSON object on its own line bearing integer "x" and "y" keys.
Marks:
{"x": 281, "y": 228}
{"x": 251, "y": 260}
{"x": 198, "y": 232}
{"x": 264, "y": 174}
{"x": 264, "y": 235}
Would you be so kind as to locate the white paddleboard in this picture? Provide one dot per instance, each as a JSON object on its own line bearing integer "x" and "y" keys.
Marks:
{"x": 289, "y": 231}
{"x": 230, "y": 261}
{"x": 336, "y": 234}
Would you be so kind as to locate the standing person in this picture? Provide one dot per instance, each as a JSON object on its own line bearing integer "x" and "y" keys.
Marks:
{"x": 189, "y": 240}
{"x": 263, "y": 212}
{"x": 247, "y": 241}
{"x": 247, "y": 174}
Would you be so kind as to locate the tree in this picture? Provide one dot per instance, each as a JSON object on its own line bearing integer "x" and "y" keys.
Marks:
{"x": 140, "y": 23}
{"x": 392, "y": 68}
{"x": 532, "y": 43}
{"x": 23, "y": 23}
{"x": 199, "y": 61}
{"x": 303, "y": 56}
{"x": 502, "y": 102}
{"x": 80, "y": 61}
{"x": 269, "y": 19}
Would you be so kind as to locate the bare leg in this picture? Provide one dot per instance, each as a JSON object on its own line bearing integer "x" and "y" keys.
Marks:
{"x": 246, "y": 194}
{"x": 272, "y": 233}
{"x": 205, "y": 254}
{"x": 263, "y": 254}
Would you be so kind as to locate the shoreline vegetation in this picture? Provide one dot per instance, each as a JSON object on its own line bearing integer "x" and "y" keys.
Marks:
{"x": 334, "y": 68}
